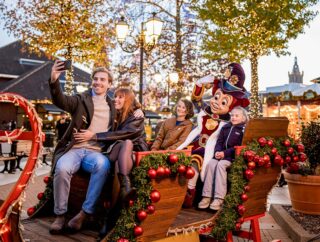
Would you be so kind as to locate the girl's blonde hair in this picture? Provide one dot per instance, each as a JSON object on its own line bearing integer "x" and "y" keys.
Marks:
{"x": 243, "y": 111}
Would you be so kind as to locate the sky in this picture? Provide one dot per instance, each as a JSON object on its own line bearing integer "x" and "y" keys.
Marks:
{"x": 273, "y": 70}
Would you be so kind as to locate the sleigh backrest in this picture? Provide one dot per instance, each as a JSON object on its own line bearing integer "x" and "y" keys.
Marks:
{"x": 264, "y": 179}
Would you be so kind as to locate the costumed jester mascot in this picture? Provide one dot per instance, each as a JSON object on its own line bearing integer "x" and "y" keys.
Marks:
{"x": 226, "y": 94}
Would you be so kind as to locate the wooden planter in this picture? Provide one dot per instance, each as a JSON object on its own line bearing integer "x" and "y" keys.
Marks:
{"x": 304, "y": 193}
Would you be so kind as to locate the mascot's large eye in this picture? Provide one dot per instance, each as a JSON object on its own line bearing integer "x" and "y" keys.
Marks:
{"x": 217, "y": 96}
{"x": 224, "y": 102}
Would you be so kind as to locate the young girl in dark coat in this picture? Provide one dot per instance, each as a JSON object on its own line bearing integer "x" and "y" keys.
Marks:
{"x": 215, "y": 182}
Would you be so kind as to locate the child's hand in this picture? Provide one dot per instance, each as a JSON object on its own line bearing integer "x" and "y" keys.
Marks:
{"x": 219, "y": 155}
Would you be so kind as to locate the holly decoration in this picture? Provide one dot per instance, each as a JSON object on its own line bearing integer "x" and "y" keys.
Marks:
{"x": 128, "y": 225}
{"x": 190, "y": 173}
{"x": 31, "y": 211}
{"x": 230, "y": 215}
{"x": 40, "y": 195}
{"x": 46, "y": 179}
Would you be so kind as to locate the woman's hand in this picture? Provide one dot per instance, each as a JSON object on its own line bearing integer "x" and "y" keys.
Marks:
{"x": 138, "y": 113}
{"x": 205, "y": 80}
{"x": 84, "y": 135}
{"x": 219, "y": 155}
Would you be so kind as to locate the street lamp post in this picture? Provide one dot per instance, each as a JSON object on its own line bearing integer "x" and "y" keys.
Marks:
{"x": 146, "y": 41}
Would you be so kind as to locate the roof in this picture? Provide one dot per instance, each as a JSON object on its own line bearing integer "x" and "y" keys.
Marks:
{"x": 51, "y": 108}
{"x": 314, "y": 87}
{"x": 32, "y": 82}
{"x": 287, "y": 87}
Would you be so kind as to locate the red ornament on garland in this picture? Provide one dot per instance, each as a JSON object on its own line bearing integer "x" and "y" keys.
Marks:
{"x": 181, "y": 169}
{"x": 268, "y": 164}
{"x": 300, "y": 148}
{"x": 266, "y": 158}
{"x": 238, "y": 226}
{"x": 244, "y": 197}
{"x": 270, "y": 143}
{"x": 131, "y": 203}
{"x": 155, "y": 196}
{"x": 249, "y": 155}
{"x": 160, "y": 171}
{"x": 137, "y": 230}
{"x": 295, "y": 158}
{"x": 294, "y": 167}
{"x": 152, "y": 173}
{"x": 46, "y": 179}
{"x": 190, "y": 173}
{"x": 241, "y": 209}
{"x": 287, "y": 159}
{"x": 173, "y": 158}
{"x": 247, "y": 188}
{"x": 122, "y": 240}
{"x": 278, "y": 160}
{"x": 31, "y": 211}
{"x": 290, "y": 150}
{"x": 302, "y": 157}
{"x": 151, "y": 209}
{"x": 240, "y": 220}
{"x": 141, "y": 215}
{"x": 40, "y": 195}
{"x": 251, "y": 165}
{"x": 256, "y": 158}
{"x": 287, "y": 143}
{"x": 261, "y": 161}
{"x": 274, "y": 151}
{"x": 262, "y": 141}
{"x": 167, "y": 171}
{"x": 249, "y": 174}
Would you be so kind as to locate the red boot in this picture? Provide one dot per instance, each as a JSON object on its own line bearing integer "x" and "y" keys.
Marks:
{"x": 188, "y": 200}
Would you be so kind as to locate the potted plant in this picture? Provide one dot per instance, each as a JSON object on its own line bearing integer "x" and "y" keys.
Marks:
{"x": 304, "y": 178}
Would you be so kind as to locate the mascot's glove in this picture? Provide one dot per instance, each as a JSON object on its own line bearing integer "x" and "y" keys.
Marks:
{"x": 205, "y": 80}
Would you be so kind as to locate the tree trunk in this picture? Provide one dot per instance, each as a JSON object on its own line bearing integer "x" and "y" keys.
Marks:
{"x": 254, "y": 99}
{"x": 68, "y": 87}
{"x": 178, "y": 52}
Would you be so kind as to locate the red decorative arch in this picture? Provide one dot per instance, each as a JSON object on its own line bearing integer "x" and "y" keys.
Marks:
{"x": 36, "y": 136}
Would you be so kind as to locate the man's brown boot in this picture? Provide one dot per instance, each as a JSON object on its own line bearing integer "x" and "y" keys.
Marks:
{"x": 58, "y": 224}
{"x": 77, "y": 221}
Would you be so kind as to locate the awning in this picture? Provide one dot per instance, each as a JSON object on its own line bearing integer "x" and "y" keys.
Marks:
{"x": 51, "y": 108}
{"x": 151, "y": 114}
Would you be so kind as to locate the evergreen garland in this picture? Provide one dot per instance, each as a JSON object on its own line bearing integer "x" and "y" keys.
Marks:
{"x": 229, "y": 218}
{"x": 141, "y": 181}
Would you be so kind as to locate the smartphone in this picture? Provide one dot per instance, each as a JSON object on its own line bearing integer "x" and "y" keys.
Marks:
{"x": 67, "y": 64}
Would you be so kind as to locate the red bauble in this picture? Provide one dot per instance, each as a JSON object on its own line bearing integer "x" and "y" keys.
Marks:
{"x": 287, "y": 159}
{"x": 278, "y": 160}
{"x": 287, "y": 143}
{"x": 131, "y": 203}
{"x": 267, "y": 165}
{"x": 302, "y": 157}
{"x": 300, "y": 148}
{"x": 290, "y": 150}
{"x": 256, "y": 158}
{"x": 155, "y": 196}
{"x": 274, "y": 151}
{"x": 251, "y": 165}
{"x": 241, "y": 209}
{"x": 122, "y": 240}
{"x": 181, "y": 169}
{"x": 270, "y": 143}
{"x": 248, "y": 174}
{"x": 152, "y": 173}
{"x": 247, "y": 188}
{"x": 294, "y": 167}
{"x": 167, "y": 171}
{"x": 160, "y": 171}
{"x": 262, "y": 141}
{"x": 150, "y": 209}
{"x": 266, "y": 158}
{"x": 244, "y": 197}
{"x": 190, "y": 173}
{"x": 238, "y": 226}
{"x": 295, "y": 158}
{"x": 173, "y": 158}
{"x": 261, "y": 161}
{"x": 31, "y": 211}
{"x": 137, "y": 231}
{"x": 46, "y": 179}
{"x": 249, "y": 155}
{"x": 40, "y": 195}
{"x": 141, "y": 215}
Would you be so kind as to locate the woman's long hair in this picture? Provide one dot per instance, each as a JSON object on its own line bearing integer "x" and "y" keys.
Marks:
{"x": 130, "y": 104}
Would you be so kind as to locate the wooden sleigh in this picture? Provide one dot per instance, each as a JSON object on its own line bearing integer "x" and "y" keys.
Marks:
{"x": 170, "y": 219}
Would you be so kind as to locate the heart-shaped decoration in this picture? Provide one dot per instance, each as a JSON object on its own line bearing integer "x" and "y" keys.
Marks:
{"x": 36, "y": 136}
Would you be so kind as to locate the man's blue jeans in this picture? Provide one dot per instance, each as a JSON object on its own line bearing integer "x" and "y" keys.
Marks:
{"x": 89, "y": 160}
